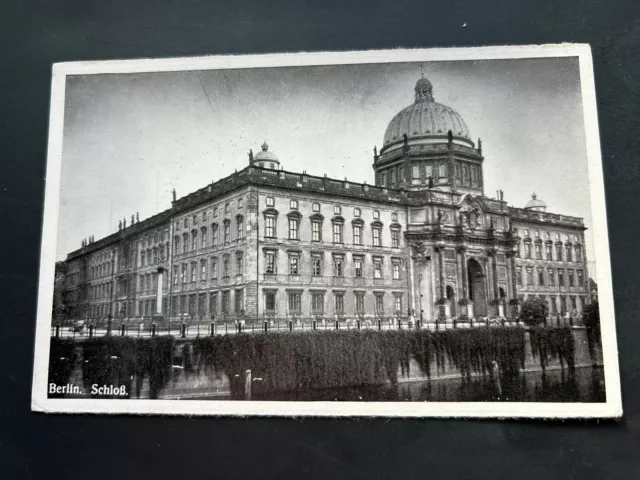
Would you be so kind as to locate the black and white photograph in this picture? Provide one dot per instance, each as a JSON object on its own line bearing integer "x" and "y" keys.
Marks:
{"x": 379, "y": 233}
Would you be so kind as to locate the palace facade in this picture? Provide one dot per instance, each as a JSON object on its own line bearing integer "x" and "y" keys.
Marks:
{"x": 424, "y": 242}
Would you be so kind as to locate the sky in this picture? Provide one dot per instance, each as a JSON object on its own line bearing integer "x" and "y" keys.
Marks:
{"x": 129, "y": 139}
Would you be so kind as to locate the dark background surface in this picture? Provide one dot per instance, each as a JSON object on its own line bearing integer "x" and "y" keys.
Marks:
{"x": 35, "y": 34}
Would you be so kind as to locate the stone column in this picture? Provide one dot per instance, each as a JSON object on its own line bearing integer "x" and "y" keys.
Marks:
{"x": 444, "y": 309}
{"x": 514, "y": 284}
{"x": 159, "y": 291}
{"x": 412, "y": 285}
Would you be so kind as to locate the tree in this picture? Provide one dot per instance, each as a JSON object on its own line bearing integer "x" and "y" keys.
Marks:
{"x": 591, "y": 315}
{"x": 534, "y": 311}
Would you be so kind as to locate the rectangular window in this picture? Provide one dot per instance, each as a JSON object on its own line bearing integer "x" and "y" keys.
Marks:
{"x": 225, "y": 267}
{"x": 183, "y": 304}
{"x": 359, "y": 302}
{"x": 395, "y": 238}
{"x": 215, "y": 211}
{"x": 293, "y": 229}
{"x": 337, "y": 232}
{"x": 203, "y": 270}
{"x": 270, "y": 301}
{"x": 225, "y": 302}
{"x": 428, "y": 171}
{"x": 270, "y": 226}
{"x": 226, "y": 207}
{"x": 559, "y": 252}
{"x": 338, "y": 266}
{"x": 398, "y": 304}
{"x": 519, "y": 276}
{"x": 580, "y": 278}
{"x": 379, "y": 303}
{"x": 529, "y": 277}
{"x": 538, "y": 251}
{"x": 357, "y": 264}
{"x": 396, "y": 271}
{"x": 357, "y": 212}
{"x": 540, "y": 276}
{"x": 202, "y": 298}
{"x": 213, "y": 303}
{"x": 175, "y": 275}
{"x": 339, "y": 303}
{"x": 442, "y": 170}
{"x": 376, "y": 236}
{"x": 239, "y": 301}
{"x": 569, "y": 253}
{"x": 294, "y": 260}
{"x": 315, "y": 207}
{"x": 270, "y": 262}
{"x": 527, "y": 250}
{"x": 316, "y": 231}
{"x": 561, "y": 277}
{"x": 552, "y": 277}
{"x": 578, "y": 253}
{"x": 194, "y": 240}
{"x": 270, "y": 202}
{"x": 194, "y": 268}
{"x": 214, "y": 234}
{"x": 570, "y": 277}
{"x": 293, "y": 204}
{"x": 240, "y": 224}
{"x": 549, "y": 252}
{"x": 377, "y": 268}
{"x": 239, "y": 264}
{"x": 376, "y": 215}
{"x": 317, "y": 303}
{"x": 240, "y": 202}
{"x": 316, "y": 265}
{"x": 357, "y": 234}
{"x": 192, "y": 304}
{"x": 415, "y": 171}
{"x": 337, "y": 210}
{"x": 295, "y": 302}
{"x": 184, "y": 273}
{"x": 227, "y": 232}
{"x": 214, "y": 268}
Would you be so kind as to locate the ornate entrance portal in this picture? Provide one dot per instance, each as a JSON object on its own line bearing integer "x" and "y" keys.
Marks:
{"x": 477, "y": 287}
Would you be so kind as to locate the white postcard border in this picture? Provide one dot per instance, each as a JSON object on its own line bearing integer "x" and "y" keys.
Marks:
{"x": 613, "y": 405}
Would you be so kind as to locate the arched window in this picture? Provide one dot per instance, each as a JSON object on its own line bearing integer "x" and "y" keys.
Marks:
{"x": 240, "y": 226}
{"x": 185, "y": 242}
{"x": 194, "y": 240}
{"x": 176, "y": 244}
{"x": 214, "y": 234}
{"x": 227, "y": 231}
{"x": 203, "y": 237}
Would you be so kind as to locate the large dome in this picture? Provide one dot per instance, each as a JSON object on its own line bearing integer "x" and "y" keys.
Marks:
{"x": 265, "y": 155}
{"x": 425, "y": 118}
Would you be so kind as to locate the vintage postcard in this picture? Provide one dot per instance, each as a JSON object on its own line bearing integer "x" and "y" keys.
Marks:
{"x": 388, "y": 233}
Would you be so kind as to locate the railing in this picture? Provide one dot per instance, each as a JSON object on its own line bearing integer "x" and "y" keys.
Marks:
{"x": 193, "y": 329}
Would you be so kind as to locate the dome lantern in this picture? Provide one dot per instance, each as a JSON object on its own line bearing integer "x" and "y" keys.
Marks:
{"x": 535, "y": 204}
{"x": 265, "y": 158}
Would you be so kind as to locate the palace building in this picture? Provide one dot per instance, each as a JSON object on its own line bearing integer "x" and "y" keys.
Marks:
{"x": 424, "y": 242}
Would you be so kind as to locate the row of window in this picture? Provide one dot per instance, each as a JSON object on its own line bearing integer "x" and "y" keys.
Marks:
{"x": 550, "y": 277}
{"x": 153, "y": 256}
{"x": 270, "y": 231}
{"x": 102, "y": 291}
{"x": 207, "y": 303}
{"x": 568, "y": 303}
{"x": 193, "y": 271}
{"x": 203, "y": 218}
{"x": 102, "y": 270}
{"x": 566, "y": 252}
{"x": 153, "y": 239}
{"x": 294, "y": 302}
{"x": 547, "y": 235}
{"x": 200, "y": 238}
{"x": 421, "y": 172}
{"x": 317, "y": 266}
{"x": 337, "y": 209}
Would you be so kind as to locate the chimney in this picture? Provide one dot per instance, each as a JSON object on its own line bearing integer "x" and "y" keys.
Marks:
{"x": 137, "y": 218}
